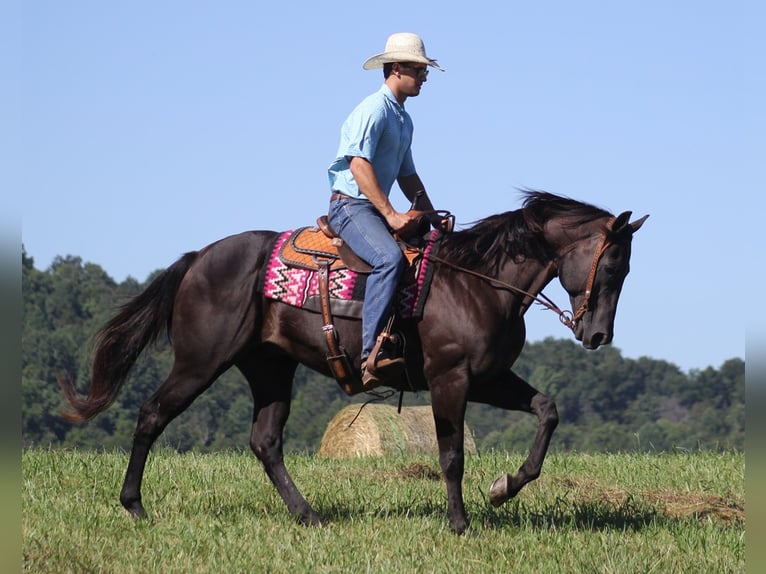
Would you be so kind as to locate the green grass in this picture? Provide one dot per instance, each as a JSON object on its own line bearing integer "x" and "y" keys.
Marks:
{"x": 218, "y": 513}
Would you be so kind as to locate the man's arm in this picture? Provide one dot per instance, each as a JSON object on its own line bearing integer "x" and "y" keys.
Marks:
{"x": 411, "y": 185}
{"x": 367, "y": 181}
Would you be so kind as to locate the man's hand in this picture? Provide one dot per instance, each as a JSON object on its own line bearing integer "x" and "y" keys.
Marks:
{"x": 443, "y": 221}
{"x": 402, "y": 223}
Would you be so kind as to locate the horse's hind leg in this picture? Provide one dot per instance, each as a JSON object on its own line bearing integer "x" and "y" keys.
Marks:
{"x": 513, "y": 393}
{"x": 177, "y": 392}
{"x": 271, "y": 381}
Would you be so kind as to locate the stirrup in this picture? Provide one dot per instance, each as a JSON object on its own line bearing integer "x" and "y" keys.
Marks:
{"x": 388, "y": 375}
{"x": 385, "y": 364}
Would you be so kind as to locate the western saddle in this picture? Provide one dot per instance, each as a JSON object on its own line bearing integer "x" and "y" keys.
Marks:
{"x": 321, "y": 249}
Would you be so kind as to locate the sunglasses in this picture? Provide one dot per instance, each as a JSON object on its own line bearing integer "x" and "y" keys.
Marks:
{"x": 420, "y": 73}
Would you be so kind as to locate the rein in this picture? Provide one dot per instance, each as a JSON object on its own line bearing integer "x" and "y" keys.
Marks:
{"x": 565, "y": 317}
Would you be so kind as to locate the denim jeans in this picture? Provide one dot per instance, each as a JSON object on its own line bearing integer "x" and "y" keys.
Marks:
{"x": 365, "y": 230}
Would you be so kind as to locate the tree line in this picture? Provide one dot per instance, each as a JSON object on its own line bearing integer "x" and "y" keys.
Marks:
{"x": 606, "y": 402}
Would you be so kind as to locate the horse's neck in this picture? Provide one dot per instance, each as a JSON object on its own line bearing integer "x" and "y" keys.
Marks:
{"x": 531, "y": 277}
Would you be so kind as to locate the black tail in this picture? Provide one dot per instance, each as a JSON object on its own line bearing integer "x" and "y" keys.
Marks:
{"x": 119, "y": 343}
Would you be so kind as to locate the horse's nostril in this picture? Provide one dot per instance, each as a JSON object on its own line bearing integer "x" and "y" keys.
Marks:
{"x": 597, "y": 340}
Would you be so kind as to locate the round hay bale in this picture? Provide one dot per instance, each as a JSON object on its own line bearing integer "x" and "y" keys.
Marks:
{"x": 380, "y": 430}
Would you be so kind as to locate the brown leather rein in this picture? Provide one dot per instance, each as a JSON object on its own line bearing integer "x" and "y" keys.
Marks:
{"x": 566, "y": 317}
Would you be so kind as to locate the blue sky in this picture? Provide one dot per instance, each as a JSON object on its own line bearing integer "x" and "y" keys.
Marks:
{"x": 142, "y": 130}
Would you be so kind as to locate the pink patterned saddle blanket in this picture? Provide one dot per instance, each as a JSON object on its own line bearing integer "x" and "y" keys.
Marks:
{"x": 298, "y": 285}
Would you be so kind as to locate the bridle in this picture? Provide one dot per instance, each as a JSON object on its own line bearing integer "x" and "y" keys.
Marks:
{"x": 567, "y": 318}
{"x": 602, "y": 247}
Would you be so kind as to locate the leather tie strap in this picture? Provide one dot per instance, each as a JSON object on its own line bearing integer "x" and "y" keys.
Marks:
{"x": 337, "y": 359}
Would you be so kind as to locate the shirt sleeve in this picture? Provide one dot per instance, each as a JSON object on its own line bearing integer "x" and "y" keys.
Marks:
{"x": 361, "y": 133}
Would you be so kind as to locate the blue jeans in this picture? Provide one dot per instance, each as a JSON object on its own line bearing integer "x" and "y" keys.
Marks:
{"x": 365, "y": 230}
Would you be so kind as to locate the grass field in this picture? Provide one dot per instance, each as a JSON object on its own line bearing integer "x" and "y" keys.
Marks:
{"x": 217, "y": 513}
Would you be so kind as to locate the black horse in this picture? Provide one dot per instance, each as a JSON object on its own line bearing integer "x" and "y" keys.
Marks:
{"x": 461, "y": 349}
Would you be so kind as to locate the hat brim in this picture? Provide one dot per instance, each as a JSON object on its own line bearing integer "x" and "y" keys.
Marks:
{"x": 378, "y": 60}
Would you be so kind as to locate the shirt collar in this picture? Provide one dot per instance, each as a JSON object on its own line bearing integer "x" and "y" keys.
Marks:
{"x": 388, "y": 94}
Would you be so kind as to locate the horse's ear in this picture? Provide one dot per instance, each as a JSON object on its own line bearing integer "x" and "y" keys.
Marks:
{"x": 636, "y": 225}
{"x": 620, "y": 222}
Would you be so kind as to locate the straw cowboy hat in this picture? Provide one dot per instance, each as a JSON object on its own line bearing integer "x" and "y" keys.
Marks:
{"x": 402, "y": 47}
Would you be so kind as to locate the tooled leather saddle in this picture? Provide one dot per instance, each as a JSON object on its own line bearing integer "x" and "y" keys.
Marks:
{"x": 321, "y": 249}
{"x": 316, "y": 247}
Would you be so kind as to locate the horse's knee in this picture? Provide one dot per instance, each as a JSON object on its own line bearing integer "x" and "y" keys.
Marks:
{"x": 551, "y": 418}
{"x": 545, "y": 409}
{"x": 258, "y": 447}
{"x": 149, "y": 421}
{"x": 265, "y": 447}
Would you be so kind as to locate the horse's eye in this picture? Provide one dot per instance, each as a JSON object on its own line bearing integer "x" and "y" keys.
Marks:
{"x": 613, "y": 275}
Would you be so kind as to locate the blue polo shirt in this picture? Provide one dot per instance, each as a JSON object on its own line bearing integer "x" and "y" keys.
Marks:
{"x": 380, "y": 131}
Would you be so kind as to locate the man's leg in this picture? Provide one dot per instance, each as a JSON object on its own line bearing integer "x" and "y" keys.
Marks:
{"x": 361, "y": 226}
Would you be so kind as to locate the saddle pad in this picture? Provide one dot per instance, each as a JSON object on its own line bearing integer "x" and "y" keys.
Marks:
{"x": 299, "y": 286}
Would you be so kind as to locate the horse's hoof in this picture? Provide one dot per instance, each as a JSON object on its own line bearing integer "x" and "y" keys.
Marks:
{"x": 460, "y": 527}
{"x": 311, "y": 519}
{"x": 136, "y": 510}
{"x": 498, "y": 491}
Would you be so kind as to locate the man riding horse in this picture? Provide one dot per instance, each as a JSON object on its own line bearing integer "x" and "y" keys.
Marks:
{"x": 374, "y": 151}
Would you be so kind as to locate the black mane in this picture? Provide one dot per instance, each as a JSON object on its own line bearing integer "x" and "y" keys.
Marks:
{"x": 517, "y": 234}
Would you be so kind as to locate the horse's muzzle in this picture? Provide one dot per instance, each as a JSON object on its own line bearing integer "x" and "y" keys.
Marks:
{"x": 595, "y": 340}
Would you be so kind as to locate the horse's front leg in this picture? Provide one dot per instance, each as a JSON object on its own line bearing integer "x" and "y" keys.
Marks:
{"x": 513, "y": 393}
{"x": 448, "y": 401}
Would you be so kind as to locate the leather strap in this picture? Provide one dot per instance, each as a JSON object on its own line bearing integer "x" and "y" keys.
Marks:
{"x": 337, "y": 359}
